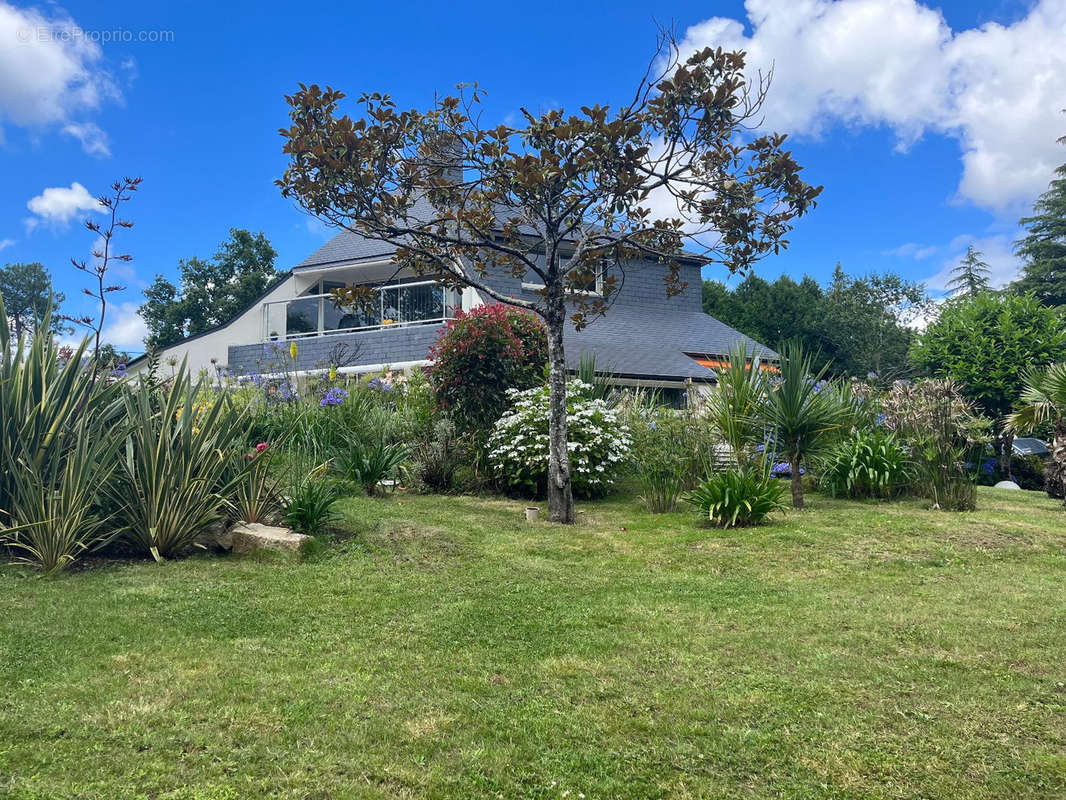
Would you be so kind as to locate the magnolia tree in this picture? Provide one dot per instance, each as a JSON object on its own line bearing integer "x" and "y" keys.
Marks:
{"x": 561, "y": 200}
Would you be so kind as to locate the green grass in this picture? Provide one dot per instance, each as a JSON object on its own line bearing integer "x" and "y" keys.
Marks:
{"x": 449, "y": 649}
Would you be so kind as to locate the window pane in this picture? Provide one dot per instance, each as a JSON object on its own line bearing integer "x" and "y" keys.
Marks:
{"x": 302, "y": 316}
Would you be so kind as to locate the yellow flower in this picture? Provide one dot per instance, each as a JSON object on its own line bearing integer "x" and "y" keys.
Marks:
{"x": 293, "y": 350}
{"x": 332, "y": 372}
{"x": 386, "y": 322}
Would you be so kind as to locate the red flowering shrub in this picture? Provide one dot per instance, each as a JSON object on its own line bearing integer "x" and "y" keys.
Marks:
{"x": 480, "y": 355}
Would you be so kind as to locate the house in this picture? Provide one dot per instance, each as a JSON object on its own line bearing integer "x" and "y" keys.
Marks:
{"x": 645, "y": 339}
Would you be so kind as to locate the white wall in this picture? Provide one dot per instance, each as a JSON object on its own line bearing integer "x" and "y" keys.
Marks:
{"x": 248, "y": 327}
{"x": 245, "y": 329}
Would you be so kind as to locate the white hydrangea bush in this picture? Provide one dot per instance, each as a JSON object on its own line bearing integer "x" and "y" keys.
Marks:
{"x": 598, "y": 440}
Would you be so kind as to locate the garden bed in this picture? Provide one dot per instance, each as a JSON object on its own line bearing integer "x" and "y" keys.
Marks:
{"x": 447, "y": 648}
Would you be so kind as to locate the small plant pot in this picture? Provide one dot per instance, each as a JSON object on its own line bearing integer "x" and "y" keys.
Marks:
{"x": 532, "y": 514}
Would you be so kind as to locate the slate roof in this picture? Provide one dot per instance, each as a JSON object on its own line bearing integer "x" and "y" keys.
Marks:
{"x": 647, "y": 343}
{"x": 345, "y": 247}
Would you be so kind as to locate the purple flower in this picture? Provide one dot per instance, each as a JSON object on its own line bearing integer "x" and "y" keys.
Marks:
{"x": 782, "y": 469}
{"x": 880, "y": 420}
{"x": 380, "y": 385}
{"x": 334, "y": 397}
{"x": 871, "y": 376}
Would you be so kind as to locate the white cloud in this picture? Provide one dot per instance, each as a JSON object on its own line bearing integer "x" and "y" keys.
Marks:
{"x": 6, "y": 243}
{"x": 50, "y": 71}
{"x": 93, "y": 139}
{"x": 997, "y": 89}
{"x": 124, "y": 327}
{"x": 58, "y": 205}
{"x": 919, "y": 252}
{"x": 997, "y": 250}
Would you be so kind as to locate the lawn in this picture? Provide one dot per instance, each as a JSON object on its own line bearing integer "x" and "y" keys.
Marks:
{"x": 446, "y": 648}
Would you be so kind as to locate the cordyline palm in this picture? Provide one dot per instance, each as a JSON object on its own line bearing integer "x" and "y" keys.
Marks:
{"x": 732, "y": 408}
{"x": 800, "y": 413}
{"x": 1044, "y": 400}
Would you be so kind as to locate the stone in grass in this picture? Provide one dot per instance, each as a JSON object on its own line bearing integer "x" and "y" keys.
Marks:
{"x": 249, "y": 537}
{"x": 1006, "y": 485}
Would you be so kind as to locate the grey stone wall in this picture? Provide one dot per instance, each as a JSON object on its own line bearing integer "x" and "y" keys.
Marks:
{"x": 385, "y": 346}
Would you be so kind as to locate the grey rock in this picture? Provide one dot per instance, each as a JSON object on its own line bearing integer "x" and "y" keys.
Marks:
{"x": 249, "y": 537}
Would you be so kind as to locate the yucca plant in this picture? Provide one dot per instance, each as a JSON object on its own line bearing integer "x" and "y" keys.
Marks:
{"x": 57, "y": 422}
{"x": 866, "y": 464}
{"x": 800, "y": 412}
{"x": 732, "y": 408}
{"x": 55, "y": 514}
{"x": 368, "y": 462}
{"x": 175, "y": 473}
{"x": 737, "y": 498}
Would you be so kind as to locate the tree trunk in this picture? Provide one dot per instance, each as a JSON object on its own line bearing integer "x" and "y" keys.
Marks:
{"x": 560, "y": 493}
{"x": 1055, "y": 470}
{"x": 797, "y": 482}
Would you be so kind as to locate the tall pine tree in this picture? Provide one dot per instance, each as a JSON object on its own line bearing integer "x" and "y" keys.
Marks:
{"x": 970, "y": 277}
{"x": 1044, "y": 245}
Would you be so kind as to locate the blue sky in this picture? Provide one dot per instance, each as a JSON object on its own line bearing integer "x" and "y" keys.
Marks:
{"x": 929, "y": 127}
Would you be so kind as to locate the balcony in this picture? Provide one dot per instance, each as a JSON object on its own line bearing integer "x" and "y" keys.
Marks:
{"x": 396, "y": 306}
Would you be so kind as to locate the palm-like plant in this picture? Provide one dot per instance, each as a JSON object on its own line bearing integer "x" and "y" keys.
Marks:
{"x": 800, "y": 413}
{"x": 732, "y": 408}
{"x": 1044, "y": 400}
{"x": 175, "y": 473}
{"x": 58, "y": 425}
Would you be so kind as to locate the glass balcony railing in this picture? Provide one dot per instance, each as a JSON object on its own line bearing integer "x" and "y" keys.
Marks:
{"x": 399, "y": 305}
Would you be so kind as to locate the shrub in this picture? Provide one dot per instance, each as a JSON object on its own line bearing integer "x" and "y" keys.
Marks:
{"x": 308, "y": 505}
{"x": 518, "y": 446}
{"x": 482, "y": 354}
{"x": 368, "y": 462}
{"x": 671, "y": 451}
{"x": 944, "y": 436}
{"x": 436, "y": 458}
{"x": 1028, "y": 472}
{"x": 256, "y": 497}
{"x": 868, "y": 463}
{"x": 176, "y": 472}
{"x": 56, "y": 516}
{"x": 737, "y": 498}
{"x": 59, "y": 426}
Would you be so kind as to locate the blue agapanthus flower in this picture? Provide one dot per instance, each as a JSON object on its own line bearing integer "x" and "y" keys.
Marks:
{"x": 380, "y": 385}
{"x": 783, "y": 469}
{"x": 334, "y": 397}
